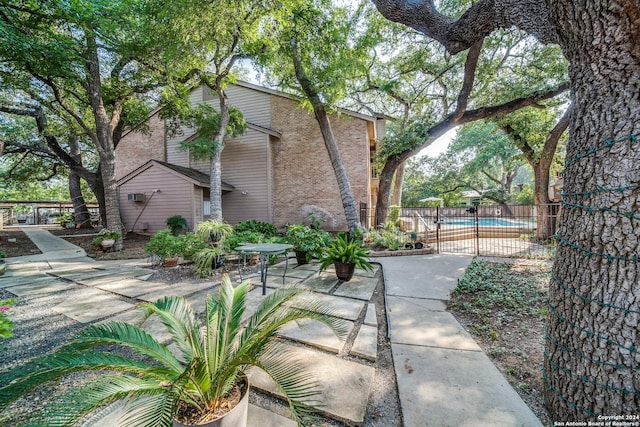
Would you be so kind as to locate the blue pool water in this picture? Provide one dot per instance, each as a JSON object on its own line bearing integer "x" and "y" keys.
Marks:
{"x": 484, "y": 222}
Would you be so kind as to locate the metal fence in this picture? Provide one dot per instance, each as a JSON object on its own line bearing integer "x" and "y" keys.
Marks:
{"x": 497, "y": 230}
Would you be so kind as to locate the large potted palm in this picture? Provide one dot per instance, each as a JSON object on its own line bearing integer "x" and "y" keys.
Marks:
{"x": 345, "y": 253}
{"x": 161, "y": 388}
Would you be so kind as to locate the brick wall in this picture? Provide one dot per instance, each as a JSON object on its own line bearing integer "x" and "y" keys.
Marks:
{"x": 136, "y": 148}
{"x": 303, "y": 178}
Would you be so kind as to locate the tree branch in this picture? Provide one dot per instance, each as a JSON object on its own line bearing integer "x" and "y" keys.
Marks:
{"x": 470, "y": 66}
{"x": 485, "y": 16}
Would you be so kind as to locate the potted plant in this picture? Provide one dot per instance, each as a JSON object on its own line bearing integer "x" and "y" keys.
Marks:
{"x": 345, "y": 253}
{"x": 106, "y": 238}
{"x": 308, "y": 242}
{"x": 213, "y": 233}
{"x": 192, "y": 387}
{"x": 166, "y": 246}
{"x": 176, "y": 224}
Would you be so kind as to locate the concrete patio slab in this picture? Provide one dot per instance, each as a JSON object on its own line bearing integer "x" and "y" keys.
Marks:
{"x": 198, "y": 301}
{"x": 413, "y": 324}
{"x": 277, "y": 272}
{"x": 43, "y": 287}
{"x": 187, "y": 288}
{"x": 10, "y": 281}
{"x": 258, "y": 417}
{"x": 253, "y": 300}
{"x": 276, "y": 282}
{"x": 407, "y": 275}
{"x": 101, "y": 278}
{"x": 345, "y": 385}
{"x": 371, "y": 318}
{"x": 131, "y": 287}
{"x": 440, "y": 387}
{"x": 358, "y": 287}
{"x": 315, "y": 334}
{"x": 344, "y": 308}
{"x": 168, "y": 290}
{"x": 313, "y": 266}
{"x": 92, "y": 305}
{"x": 322, "y": 282}
{"x": 366, "y": 343}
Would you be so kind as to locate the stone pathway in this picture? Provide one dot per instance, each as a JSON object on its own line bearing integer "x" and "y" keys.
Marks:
{"x": 110, "y": 291}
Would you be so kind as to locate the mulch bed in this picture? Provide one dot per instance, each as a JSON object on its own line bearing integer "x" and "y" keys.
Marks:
{"x": 21, "y": 247}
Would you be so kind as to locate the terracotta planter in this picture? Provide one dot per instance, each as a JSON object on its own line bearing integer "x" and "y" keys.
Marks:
{"x": 237, "y": 417}
{"x": 301, "y": 257}
{"x": 344, "y": 270}
{"x": 171, "y": 262}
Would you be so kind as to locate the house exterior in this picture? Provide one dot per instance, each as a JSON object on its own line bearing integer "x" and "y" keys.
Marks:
{"x": 278, "y": 171}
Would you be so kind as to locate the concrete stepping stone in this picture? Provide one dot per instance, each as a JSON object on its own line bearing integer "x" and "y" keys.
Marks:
{"x": 342, "y": 307}
{"x": 371, "y": 318}
{"x": 411, "y": 323}
{"x": 322, "y": 282}
{"x": 312, "y": 266}
{"x": 367, "y": 273}
{"x": 153, "y": 325}
{"x": 345, "y": 384}
{"x": 92, "y": 305}
{"x": 314, "y": 333}
{"x": 455, "y": 388}
{"x": 166, "y": 290}
{"x": 366, "y": 343}
{"x": 9, "y": 281}
{"x": 132, "y": 287}
{"x": 42, "y": 287}
{"x": 277, "y": 272}
{"x": 253, "y": 300}
{"x": 101, "y": 278}
{"x": 187, "y": 288}
{"x": 358, "y": 287}
{"x": 198, "y": 301}
{"x": 276, "y": 282}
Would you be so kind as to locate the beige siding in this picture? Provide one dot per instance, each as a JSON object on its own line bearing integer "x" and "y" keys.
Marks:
{"x": 255, "y": 105}
{"x": 197, "y": 205}
{"x": 174, "y": 154}
{"x": 245, "y": 166}
{"x": 174, "y": 198}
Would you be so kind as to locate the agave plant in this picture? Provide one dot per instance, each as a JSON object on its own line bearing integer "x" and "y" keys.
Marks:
{"x": 155, "y": 382}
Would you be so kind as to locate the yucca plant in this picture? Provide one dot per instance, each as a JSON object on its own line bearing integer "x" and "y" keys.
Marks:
{"x": 155, "y": 383}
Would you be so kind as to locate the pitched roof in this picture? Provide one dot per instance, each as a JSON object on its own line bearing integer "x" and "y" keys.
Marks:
{"x": 192, "y": 175}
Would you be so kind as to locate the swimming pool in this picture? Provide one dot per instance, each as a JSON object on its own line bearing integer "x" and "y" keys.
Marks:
{"x": 486, "y": 222}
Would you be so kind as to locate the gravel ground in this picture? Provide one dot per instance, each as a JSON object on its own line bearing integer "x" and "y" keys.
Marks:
{"x": 38, "y": 330}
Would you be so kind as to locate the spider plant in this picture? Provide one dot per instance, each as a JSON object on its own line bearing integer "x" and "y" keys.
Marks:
{"x": 155, "y": 383}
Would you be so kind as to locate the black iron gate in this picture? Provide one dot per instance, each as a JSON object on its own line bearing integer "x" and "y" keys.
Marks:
{"x": 498, "y": 230}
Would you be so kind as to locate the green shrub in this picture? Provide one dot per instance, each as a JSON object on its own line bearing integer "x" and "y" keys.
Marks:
{"x": 165, "y": 245}
{"x": 176, "y": 224}
{"x": 266, "y": 228}
{"x": 307, "y": 239}
{"x": 6, "y": 326}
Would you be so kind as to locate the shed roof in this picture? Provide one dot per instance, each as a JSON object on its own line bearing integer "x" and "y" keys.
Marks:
{"x": 189, "y": 174}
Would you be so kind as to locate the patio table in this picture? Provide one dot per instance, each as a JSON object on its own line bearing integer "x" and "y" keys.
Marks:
{"x": 265, "y": 250}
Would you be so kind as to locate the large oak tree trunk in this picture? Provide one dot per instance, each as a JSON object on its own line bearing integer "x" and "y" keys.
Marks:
{"x": 592, "y": 357}
{"x": 80, "y": 211}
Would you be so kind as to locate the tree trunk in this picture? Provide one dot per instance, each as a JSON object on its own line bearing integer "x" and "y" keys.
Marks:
{"x": 384, "y": 188}
{"x": 397, "y": 185}
{"x": 215, "y": 183}
{"x": 81, "y": 213}
{"x": 592, "y": 357}
{"x": 344, "y": 185}
{"x": 545, "y": 223}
